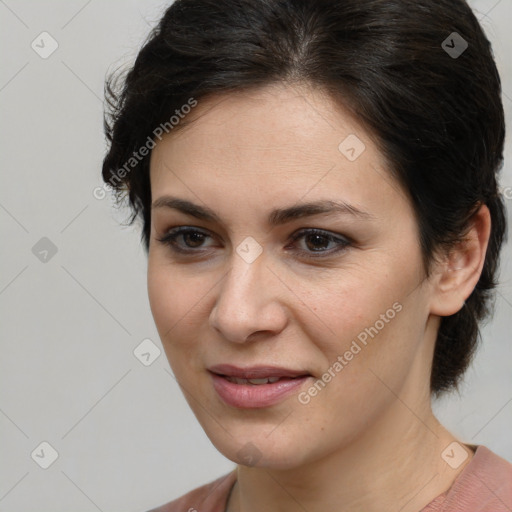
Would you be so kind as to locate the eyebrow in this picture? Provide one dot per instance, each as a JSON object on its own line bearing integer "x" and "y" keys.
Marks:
{"x": 276, "y": 217}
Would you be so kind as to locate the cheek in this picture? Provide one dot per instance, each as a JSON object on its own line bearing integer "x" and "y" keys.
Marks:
{"x": 179, "y": 305}
{"x": 359, "y": 380}
{"x": 345, "y": 306}
{"x": 372, "y": 323}
{"x": 171, "y": 299}
{"x": 161, "y": 293}
{"x": 372, "y": 356}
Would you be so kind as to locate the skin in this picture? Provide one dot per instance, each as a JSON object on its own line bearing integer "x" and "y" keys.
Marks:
{"x": 369, "y": 440}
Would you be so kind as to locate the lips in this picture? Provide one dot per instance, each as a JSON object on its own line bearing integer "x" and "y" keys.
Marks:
{"x": 256, "y": 382}
{"x": 257, "y": 372}
{"x": 257, "y": 386}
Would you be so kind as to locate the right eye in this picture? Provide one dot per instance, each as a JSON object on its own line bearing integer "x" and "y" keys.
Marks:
{"x": 192, "y": 238}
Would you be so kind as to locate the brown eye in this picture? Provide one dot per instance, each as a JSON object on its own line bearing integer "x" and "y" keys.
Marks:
{"x": 191, "y": 238}
{"x": 188, "y": 240}
{"x": 318, "y": 241}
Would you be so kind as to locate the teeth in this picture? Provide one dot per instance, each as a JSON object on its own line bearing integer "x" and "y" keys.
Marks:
{"x": 268, "y": 380}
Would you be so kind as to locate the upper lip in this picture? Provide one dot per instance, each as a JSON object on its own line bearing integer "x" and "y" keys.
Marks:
{"x": 255, "y": 372}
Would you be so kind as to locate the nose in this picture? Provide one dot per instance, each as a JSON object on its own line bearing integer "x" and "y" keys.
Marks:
{"x": 248, "y": 301}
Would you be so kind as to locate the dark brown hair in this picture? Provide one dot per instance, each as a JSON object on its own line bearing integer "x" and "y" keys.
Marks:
{"x": 419, "y": 75}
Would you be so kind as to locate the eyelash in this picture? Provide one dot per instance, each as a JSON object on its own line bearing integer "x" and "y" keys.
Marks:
{"x": 170, "y": 240}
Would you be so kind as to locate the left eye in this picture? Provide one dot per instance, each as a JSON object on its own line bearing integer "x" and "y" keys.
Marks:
{"x": 315, "y": 240}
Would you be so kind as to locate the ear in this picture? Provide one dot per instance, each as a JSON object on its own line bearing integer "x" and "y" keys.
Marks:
{"x": 458, "y": 272}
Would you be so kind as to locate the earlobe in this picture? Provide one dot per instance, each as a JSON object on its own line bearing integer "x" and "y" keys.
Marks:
{"x": 458, "y": 272}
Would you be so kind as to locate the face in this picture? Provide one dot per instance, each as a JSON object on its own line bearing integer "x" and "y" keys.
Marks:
{"x": 330, "y": 300}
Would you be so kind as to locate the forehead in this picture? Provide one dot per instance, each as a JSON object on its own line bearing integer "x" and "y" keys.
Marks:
{"x": 271, "y": 143}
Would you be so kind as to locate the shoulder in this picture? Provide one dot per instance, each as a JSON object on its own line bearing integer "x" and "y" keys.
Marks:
{"x": 211, "y": 497}
{"x": 485, "y": 485}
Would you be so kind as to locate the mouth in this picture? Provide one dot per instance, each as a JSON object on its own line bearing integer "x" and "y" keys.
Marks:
{"x": 257, "y": 372}
{"x": 257, "y": 386}
{"x": 255, "y": 382}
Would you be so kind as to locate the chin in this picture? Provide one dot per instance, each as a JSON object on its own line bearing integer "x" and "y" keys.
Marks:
{"x": 252, "y": 446}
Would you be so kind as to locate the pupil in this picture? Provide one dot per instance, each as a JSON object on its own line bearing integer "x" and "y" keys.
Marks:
{"x": 316, "y": 237}
{"x": 192, "y": 235}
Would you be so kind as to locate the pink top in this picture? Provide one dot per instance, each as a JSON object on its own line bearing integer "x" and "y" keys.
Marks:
{"x": 484, "y": 485}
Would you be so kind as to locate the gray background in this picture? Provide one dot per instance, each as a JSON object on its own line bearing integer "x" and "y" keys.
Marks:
{"x": 125, "y": 437}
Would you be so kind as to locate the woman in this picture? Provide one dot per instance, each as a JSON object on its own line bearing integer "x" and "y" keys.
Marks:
{"x": 317, "y": 181}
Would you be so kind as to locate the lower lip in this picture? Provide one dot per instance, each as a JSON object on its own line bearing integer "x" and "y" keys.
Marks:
{"x": 250, "y": 396}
